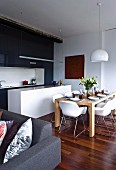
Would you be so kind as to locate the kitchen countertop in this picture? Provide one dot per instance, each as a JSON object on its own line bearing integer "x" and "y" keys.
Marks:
{"x": 17, "y": 87}
{"x": 27, "y": 86}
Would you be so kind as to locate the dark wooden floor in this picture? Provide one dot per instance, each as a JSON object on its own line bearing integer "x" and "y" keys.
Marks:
{"x": 85, "y": 153}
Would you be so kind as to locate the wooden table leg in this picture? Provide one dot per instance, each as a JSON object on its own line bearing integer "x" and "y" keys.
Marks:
{"x": 91, "y": 121}
{"x": 57, "y": 114}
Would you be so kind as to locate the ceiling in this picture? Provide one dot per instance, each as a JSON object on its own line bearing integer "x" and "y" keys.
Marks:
{"x": 63, "y": 18}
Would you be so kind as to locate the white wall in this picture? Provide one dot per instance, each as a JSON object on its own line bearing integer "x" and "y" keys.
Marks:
{"x": 84, "y": 44}
{"x": 109, "y": 68}
{"x": 77, "y": 45}
{"x": 15, "y": 76}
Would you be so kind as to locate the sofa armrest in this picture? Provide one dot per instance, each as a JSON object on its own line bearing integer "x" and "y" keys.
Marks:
{"x": 45, "y": 155}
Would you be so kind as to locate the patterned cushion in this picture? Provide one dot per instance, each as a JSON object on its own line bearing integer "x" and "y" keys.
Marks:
{"x": 3, "y": 130}
{"x": 7, "y": 140}
{"x": 9, "y": 123}
{"x": 21, "y": 141}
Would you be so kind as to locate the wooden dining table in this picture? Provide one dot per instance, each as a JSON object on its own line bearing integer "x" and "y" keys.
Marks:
{"x": 83, "y": 102}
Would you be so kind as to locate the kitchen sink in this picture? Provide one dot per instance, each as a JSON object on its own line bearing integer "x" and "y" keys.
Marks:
{"x": 6, "y": 87}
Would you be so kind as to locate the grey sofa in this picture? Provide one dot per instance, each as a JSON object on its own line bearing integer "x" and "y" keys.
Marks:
{"x": 45, "y": 151}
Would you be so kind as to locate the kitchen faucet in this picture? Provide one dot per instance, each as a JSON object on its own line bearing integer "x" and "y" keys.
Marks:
{"x": 2, "y": 81}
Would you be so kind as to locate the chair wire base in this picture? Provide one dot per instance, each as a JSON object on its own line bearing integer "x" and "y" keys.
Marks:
{"x": 75, "y": 127}
{"x": 112, "y": 120}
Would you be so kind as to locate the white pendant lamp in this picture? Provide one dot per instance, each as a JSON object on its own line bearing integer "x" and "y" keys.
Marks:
{"x": 100, "y": 54}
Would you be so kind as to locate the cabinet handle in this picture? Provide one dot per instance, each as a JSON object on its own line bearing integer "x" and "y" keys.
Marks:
{"x": 32, "y": 62}
{"x": 34, "y": 58}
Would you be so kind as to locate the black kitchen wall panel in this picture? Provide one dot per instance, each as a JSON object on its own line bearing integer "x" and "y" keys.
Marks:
{"x": 3, "y": 99}
{"x": 48, "y": 72}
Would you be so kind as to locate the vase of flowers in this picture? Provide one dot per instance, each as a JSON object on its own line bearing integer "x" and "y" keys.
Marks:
{"x": 88, "y": 83}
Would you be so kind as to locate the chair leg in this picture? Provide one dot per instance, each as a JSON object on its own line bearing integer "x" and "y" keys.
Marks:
{"x": 97, "y": 120}
{"x": 83, "y": 122}
{"x": 76, "y": 127}
{"x": 114, "y": 123}
{"x": 61, "y": 123}
{"x": 106, "y": 125}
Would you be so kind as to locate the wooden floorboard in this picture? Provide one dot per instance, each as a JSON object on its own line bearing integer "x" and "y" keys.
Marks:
{"x": 85, "y": 153}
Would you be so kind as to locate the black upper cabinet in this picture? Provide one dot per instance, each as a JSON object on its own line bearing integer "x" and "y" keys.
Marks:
{"x": 9, "y": 45}
{"x": 36, "y": 46}
{"x": 3, "y": 46}
{"x": 15, "y": 43}
{"x": 3, "y": 40}
{"x": 2, "y": 60}
{"x": 13, "y": 40}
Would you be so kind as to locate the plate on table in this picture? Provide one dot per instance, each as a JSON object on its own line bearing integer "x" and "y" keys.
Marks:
{"x": 76, "y": 92}
{"x": 68, "y": 95}
{"x": 101, "y": 95}
{"x": 106, "y": 92}
{"x": 93, "y": 98}
{"x": 75, "y": 99}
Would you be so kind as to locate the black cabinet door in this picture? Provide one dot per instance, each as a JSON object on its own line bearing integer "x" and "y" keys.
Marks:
{"x": 48, "y": 77}
{"x": 3, "y": 45}
{"x": 3, "y": 39}
{"x": 36, "y": 46}
{"x": 3, "y": 99}
{"x": 2, "y": 60}
{"x": 13, "y": 41}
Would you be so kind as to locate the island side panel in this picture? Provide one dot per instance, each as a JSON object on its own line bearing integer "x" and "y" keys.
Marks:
{"x": 38, "y": 102}
{"x": 14, "y": 101}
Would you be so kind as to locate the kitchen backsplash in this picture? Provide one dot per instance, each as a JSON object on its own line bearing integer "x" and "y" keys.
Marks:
{"x": 15, "y": 76}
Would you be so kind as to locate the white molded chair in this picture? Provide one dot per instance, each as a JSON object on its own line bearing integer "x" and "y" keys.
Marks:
{"x": 101, "y": 104}
{"x": 105, "y": 111}
{"x": 72, "y": 110}
{"x": 56, "y": 96}
{"x": 76, "y": 92}
{"x": 113, "y": 103}
{"x": 68, "y": 94}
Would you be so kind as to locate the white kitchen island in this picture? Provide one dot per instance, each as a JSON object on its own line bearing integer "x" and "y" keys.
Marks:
{"x": 34, "y": 101}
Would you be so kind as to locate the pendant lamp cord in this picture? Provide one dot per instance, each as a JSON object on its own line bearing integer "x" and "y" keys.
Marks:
{"x": 99, "y": 4}
{"x": 20, "y": 50}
